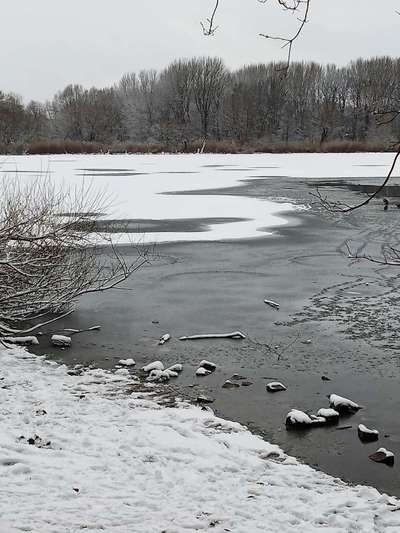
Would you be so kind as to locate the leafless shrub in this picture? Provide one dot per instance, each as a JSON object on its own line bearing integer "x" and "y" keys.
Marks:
{"x": 48, "y": 255}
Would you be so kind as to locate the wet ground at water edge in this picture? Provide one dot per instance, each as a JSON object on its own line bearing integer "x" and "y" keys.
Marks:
{"x": 337, "y": 318}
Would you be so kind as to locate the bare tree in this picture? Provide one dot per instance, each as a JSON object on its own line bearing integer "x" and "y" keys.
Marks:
{"x": 12, "y": 118}
{"x": 50, "y": 253}
{"x": 209, "y": 78}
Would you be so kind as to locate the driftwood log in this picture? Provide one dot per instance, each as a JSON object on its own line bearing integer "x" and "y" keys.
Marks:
{"x": 233, "y": 335}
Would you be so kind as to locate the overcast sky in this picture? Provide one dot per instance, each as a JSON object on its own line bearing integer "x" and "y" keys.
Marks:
{"x": 47, "y": 44}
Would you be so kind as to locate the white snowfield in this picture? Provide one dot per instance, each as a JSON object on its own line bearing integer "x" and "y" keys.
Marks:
{"x": 137, "y": 185}
{"x": 118, "y": 462}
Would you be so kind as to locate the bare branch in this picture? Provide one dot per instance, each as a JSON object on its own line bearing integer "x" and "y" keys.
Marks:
{"x": 339, "y": 207}
{"x": 288, "y": 41}
{"x": 209, "y": 28}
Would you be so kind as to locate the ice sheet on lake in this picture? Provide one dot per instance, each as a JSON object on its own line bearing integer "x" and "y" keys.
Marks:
{"x": 137, "y": 183}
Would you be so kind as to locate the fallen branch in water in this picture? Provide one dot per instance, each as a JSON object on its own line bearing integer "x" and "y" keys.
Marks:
{"x": 73, "y": 331}
{"x": 233, "y": 335}
{"x": 272, "y": 304}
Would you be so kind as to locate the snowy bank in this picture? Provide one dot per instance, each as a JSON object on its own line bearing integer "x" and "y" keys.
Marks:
{"x": 121, "y": 463}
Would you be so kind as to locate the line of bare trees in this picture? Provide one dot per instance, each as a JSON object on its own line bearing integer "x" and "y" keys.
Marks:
{"x": 200, "y": 98}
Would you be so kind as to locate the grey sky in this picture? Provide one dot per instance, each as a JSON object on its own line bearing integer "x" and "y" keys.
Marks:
{"x": 45, "y": 45}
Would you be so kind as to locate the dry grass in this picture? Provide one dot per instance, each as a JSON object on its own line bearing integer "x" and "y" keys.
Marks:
{"x": 140, "y": 148}
{"x": 214, "y": 147}
{"x": 64, "y": 147}
{"x": 311, "y": 147}
{"x": 52, "y": 146}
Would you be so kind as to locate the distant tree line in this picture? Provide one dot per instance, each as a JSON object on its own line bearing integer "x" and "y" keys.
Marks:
{"x": 200, "y": 98}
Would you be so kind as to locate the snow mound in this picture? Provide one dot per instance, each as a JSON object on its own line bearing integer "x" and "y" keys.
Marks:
{"x": 119, "y": 462}
{"x": 127, "y": 362}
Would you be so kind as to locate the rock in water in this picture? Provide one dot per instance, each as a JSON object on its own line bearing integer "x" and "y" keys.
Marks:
{"x": 343, "y": 405}
{"x": 367, "y": 435}
{"x": 164, "y": 338}
{"x": 171, "y": 373}
{"x": 61, "y": 340}
{"x": 383, "y": 456}
{"x": 158, "y": 375}
{"x": 318, "y": 420}
{"x": 127, "y": 362}
{"x": 156, "y": 365}
{"x": 202, "y": 372}
{"x": 176, "y": 368}
{"x": 230, "y": 385}
{"x": 331, "y": 416}
{"x": 208, "y": 365}
{"x": 298, "y": 419}
{"x": 204, "y": 399}
{"x": 275, "y": 386}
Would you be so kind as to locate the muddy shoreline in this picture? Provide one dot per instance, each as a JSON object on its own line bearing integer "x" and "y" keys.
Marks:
{"x": 347, "y": 310}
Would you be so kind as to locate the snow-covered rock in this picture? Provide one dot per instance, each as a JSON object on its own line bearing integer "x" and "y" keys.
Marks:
{"x": 296, "y": 418}
{"x": 202, "y": 371}
{"x": 23, "y": 341}
{"x": 127, "y": 362}
{"x": 164, "y": 338}
{"x": 204, "y": 399}
{"x": 156, "y": 365}
{"x": 367, "y": 435}
{"x": 276, "y": 386}
{"x": 343, "y": 405}
{"x": 160, "y": 376}
{"x": 61, "y": 340}
{"x": 230, "y": 385}
{"x": 208, "y": 365}
{"x": 176, "y": 368}
{"x": 382, "y": 455}
{"x": 171, "y": 373}
{"x": 330, "y": 415}
{"x": 318, "y": 420}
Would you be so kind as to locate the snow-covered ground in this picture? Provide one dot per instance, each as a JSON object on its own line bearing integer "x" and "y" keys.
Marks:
{"x": 136, "y": 184}
{"x": 117, "y": 462}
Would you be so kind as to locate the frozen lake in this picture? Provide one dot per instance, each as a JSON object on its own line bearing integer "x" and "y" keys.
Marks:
{"x": 146, "y": 190}
{"x": 349, "y": 311}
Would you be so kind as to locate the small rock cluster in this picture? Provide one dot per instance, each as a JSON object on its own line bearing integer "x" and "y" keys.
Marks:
{"x": 339, "y": 406}
{"x": 158, "y": 373}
